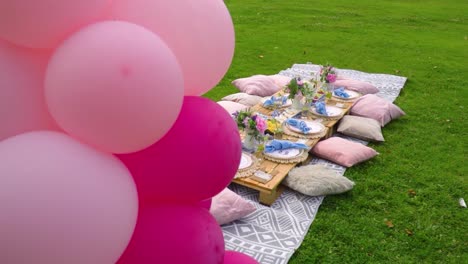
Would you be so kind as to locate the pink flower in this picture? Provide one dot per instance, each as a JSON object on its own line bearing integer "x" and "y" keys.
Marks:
{"x": 261, "y": 125}
{"x": 300, "y": 82}
{"x": 246, "y": 122}
{"x": 331, "y": 77}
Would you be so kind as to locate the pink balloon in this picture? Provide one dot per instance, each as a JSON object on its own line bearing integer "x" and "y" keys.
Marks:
{"x": 62, "y": 201}
{"x": 175, "y": 234}
{"x": 114, "y": 85}
{"x": 44, "y": 23}
{"x": 22, "y": 104}
{"x": 205, "y": 204}
{"x": 194, "y": 161}
{"x": 200, "y": 33}
{"x": 234, "y": 257}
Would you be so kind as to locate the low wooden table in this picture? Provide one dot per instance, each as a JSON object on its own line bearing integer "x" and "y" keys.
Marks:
{"x": 272, "y": 189}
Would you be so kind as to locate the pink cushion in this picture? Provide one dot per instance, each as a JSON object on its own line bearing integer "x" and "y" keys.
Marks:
{"x": 260, "y": 85}
{"x": 232, "y": 107}
{"x": 280, "y": 80}
{"x": 343, "y": 152}
{"x": 228, "y": 206}
{"x": 358, "y": 86}
{"x": 377, "y": 108}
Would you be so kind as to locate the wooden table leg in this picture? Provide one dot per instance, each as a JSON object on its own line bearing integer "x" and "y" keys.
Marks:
{"x": 270, "y": 198}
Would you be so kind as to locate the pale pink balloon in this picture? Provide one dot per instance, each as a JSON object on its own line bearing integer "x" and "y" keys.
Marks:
{"x": 114, "y": 85}
{"x": 22, "y": 103}
{"x": 200, "y": 33}
{"x": 44, "y": 23}
{"x": 62, "y": 201}
{"x": 175, "y": 234}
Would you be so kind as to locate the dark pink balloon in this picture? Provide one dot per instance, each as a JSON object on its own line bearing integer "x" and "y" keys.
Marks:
{"x": 205, "y": 204}
{"x": 194, "y": 161}
{"x": 234, "y": 257}
{"x": 175, "y": 234}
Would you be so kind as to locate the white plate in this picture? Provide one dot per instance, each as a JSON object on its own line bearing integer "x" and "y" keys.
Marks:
{"x": 315, "y": 127}
{"x": 285, "y": 153}
{"x": 245, "y": 162}
{"x": 287, "y": 104}
{"x": 352, "y": 95}
{"x": 332, "y": 111}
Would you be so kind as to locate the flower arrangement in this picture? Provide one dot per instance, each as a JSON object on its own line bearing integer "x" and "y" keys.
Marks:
{"x": 252, "y": 123}
{"x": 327, "y": 74}
{"x": 298, "y": 87}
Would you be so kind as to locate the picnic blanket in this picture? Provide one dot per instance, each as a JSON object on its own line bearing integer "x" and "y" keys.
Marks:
{"x": 272, "y": 234}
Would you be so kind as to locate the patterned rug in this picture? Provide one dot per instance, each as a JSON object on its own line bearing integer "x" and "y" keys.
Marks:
{"x": 272, "y": 234}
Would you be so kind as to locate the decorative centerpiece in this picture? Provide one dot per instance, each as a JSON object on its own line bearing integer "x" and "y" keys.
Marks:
{"x": 327, "y": 76}
{"x": 254, "y": 127}
{"x": 298, "y": 89}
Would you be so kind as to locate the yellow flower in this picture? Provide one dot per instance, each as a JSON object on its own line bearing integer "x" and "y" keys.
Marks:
{"x": 273, "y": 125}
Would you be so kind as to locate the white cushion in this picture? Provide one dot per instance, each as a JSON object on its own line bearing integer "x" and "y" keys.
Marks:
{"x": 243, "y": 98}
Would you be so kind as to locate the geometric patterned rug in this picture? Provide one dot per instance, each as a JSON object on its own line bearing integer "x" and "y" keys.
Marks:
{"x": 272, "y": 234}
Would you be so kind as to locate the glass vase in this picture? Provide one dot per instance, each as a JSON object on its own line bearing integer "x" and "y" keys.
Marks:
{"x": 250, "y": 143}
{"x": 328, "y": 87}
{"x": 297, "y": 102}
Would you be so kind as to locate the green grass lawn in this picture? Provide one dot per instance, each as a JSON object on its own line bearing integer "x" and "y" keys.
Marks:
{"x": 404, "y": 207}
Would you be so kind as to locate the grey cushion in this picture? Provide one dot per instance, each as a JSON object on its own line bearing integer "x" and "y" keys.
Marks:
{"x": 361, "y": 127}
{"x": 316, "y": 180}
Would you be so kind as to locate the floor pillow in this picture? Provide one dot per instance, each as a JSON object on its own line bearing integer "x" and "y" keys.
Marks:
{"x": 377, "y": 108}
{"x": 228, "y": 206}
{"x": 342, "y": 151}
{"x": 243, "y": 98}
{"x": 358, "y": 86}
{"x": 232, "y": 107}
{"x": 361, "y": 127}
{"x": 260, "y": 85}
{"x": 281, "y": 80}
{"x": 316, "y": 180}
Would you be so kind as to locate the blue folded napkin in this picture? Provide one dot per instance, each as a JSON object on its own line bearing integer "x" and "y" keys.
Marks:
{"x": 284, "y": 100}
{"x": 269, "y": 102}
{"x": 321, "y": 108}
{"x": 298, "y": 124}
{"x": 340, "y": 92}
{"x": 273, "y": 100}
{"x": 283, "y": 144}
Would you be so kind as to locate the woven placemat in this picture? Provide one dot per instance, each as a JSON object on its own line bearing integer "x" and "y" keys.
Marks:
{"x": 327, "y": 118}
{"x": 299, "y": 158}
{"x": 337, "y": 99}
{"x": 246, "y": 172}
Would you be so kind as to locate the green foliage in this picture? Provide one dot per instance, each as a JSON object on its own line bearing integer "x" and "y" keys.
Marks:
{"x": 421, "y": 172}
{"x": 298, "y": 87}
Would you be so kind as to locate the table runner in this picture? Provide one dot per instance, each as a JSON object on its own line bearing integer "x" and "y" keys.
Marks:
{"x": 272, "y": 234}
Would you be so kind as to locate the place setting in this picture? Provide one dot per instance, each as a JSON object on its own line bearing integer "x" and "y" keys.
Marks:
{"x": 309, "y": 129}
{"x": 275, "y": 102}
{"x": 285, "y": 151}
{"x": 328, "y": 112}
{"x": 248, "y": 165}
{"x": 341, "y": 94}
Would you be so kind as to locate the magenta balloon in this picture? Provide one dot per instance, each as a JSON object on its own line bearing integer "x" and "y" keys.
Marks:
{"x": 114, "y": 85}
{"x": 205, "y": 204}
{"x": 175, "y": 234}
{"x": 62, "y": 201}
{"x": 22, "y": 104}
{"x": 234, "y": 257}
{"x": 44, "y": 23}
{"x": 200, "y": 33}
{"x": 194, "y": 161}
